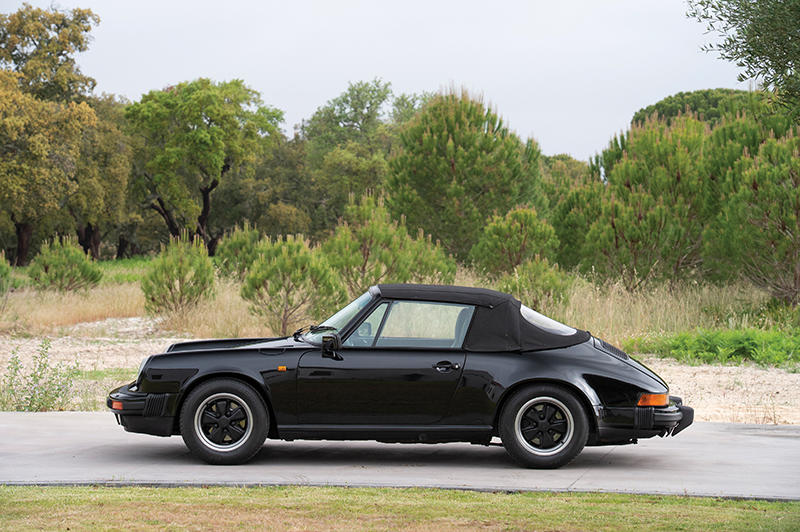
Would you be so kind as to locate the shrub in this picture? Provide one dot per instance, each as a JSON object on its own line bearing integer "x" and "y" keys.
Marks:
{"x": 368, "y": 247}
{"x": 5, "y": 280}
{"x": 289, "y": 280}
{"x": 536, "y": 283}
{"x": 237, "y": 251}
{"x": 44, "y": 387}
{"x": 180, "y": 277}
{"x": 508, "y": 241}
{"x": 725, "y": 346}
{"x": 63, "y": 266}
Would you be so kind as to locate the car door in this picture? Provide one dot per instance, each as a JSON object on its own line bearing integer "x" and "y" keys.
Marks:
{"x": 400, "y": 366}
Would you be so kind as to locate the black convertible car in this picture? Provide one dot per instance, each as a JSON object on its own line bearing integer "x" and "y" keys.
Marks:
{"x": 405, "y": 363}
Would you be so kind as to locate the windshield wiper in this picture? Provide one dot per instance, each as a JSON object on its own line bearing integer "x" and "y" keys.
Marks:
{"x": 311, "y": 328}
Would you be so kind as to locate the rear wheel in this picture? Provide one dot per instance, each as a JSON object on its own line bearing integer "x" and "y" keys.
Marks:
{"x": 224, "y": 421}
{"x": 543, "y": 426}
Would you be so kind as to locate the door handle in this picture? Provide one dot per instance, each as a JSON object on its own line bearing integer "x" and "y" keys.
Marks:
{"x": 445, "y": 366}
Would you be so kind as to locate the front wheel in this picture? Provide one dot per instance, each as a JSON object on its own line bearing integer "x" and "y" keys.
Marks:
{"x": 224, "y": 421}
{"x": 543, "y": 426}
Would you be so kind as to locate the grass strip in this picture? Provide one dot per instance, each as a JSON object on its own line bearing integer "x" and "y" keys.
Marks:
{"x": 725, "y": 346}
{"x": 314, "y": 508}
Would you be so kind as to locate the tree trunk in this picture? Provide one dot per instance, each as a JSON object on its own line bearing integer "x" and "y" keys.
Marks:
{"x": 24, "y": 232}
{"x": 89, "y": 239}
{"x": 202, "y": 218}
{"x": 161, "y": 208}
{"x": 122, "y": 246}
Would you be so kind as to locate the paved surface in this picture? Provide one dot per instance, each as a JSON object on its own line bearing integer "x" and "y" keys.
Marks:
{"x": 717, "y": 459}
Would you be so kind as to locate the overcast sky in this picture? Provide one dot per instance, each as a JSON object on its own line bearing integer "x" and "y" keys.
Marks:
{"x": 569, "y": 74}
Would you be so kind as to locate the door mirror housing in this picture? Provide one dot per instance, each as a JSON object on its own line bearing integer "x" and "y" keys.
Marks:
{"x": 330, "y": 344}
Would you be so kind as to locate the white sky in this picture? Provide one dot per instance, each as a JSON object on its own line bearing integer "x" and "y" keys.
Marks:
{"x": 568, "y": 73}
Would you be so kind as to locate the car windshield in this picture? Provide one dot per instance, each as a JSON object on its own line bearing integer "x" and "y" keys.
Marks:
{"x": 336, "y": 322}
{"x": 547, "y": 324}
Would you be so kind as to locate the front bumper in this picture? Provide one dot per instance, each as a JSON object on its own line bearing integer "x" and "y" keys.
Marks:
{"x": 146, "y": 413}
{"x": 627, "y": 424}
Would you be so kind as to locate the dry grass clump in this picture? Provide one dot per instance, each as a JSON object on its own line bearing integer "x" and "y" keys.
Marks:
{"x": 225, "y": 316}
{"x": 33, "y": 313}
{"x": 615, "y": 314}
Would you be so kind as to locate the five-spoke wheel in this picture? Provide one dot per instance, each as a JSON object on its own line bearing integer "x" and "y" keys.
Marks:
{"x": 224, "y": 421}
{"x": 543, "y": 426}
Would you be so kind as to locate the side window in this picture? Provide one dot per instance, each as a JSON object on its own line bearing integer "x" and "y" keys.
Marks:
{"x": 364, "y": 335}
{"x": 425, "y": 324}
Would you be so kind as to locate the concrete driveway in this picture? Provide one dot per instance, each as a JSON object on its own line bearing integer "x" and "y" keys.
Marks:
{"x": 716, "y": 459}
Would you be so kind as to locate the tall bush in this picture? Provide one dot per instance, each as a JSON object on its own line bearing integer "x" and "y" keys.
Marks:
{"x": 290, "y": 281}
{"x": 180, "y": 277}
{"x": 508, "y": 241}
{"x": 237, "y": 251}
{"x": 63, "y": 266}
{"x": 5, "y": 279}
{"x": 536, "y": 283}
{"x": 368, "y": 247}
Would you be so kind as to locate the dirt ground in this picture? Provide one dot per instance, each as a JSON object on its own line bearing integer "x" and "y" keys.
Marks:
{"x": 737, "y": 394}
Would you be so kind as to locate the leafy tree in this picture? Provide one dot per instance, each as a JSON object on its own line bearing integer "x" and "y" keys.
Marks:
{"x": 290, "y": 280}
{"x": 709, "y": 105}
{"x": 283, "y": 219}
{"x": 347, "y": 143}
{"x": 572, "y": 217}
{"x": 190, "y": 136}
{"x": 758, "y": 229}
{"x": 759, "y": 37}
{"x": 180, "y": 277}
{"x": 64, "y": 266}
{"x": 40, "y": 44}
{"x": 99, "y": 203}
{"x": 508, "y": 241}
{"x": 368, "y": 247}
{"x": 40, "y": 144}
{"x": 457, "y": 165}
{"x": 655, "y": 205}
{"x": 5, "y": 280}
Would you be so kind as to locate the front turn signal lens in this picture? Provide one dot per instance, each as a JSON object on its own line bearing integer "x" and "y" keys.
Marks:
{"x": 116, "y": 405}
{"x": 653, "y": 399}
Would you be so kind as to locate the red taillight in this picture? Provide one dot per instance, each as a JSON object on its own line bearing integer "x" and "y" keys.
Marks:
{"x": 116, "y": 405}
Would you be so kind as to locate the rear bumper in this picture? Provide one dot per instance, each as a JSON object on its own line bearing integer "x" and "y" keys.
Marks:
{"x": 627, "y": 424}
{"x": 146, "y": 413}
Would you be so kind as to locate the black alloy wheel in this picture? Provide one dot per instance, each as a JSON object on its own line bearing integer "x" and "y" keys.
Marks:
{"x": 224, "y": 421}
{"x": 543, "y": 426}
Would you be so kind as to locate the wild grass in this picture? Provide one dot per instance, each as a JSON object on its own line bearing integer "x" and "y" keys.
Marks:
{"x": 331, "y": 508}
{"x": 32, "y": 313}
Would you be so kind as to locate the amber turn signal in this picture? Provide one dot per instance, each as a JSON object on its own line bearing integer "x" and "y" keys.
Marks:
{"x": 116, "y": 405}
{"x": 653, "y": 399}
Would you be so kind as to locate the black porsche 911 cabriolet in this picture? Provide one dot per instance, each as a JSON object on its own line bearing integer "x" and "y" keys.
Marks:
{"x": 405, "y": 363}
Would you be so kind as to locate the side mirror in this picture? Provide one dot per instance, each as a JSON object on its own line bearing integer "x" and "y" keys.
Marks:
{"x": 330, "y": 344}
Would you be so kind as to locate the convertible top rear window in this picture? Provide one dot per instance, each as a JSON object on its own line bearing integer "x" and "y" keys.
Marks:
{"x": 546, "y": 324}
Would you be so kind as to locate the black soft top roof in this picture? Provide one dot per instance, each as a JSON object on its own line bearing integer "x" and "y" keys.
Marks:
{"x": 497, "y": 324}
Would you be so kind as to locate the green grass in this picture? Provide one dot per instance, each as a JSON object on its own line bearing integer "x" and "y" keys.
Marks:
{"x": 308, "y": 508}
{"x": 120, "y": 271}
{"x": 116, "y": 374}
{"x": 765, "y": 348}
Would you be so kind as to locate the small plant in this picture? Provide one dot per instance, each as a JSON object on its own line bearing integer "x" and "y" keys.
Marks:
{"x": 44, "y": 387}
{"x": 180, "y": 277}
{"x": 290, "y": 280}
{"x": 5, "y": 281}
{"x": 536, "y": 283}
{"x": 237, "y": 251}
{"x": 63, "y": 266}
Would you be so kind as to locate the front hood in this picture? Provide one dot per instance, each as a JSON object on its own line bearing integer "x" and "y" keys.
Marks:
{"x": 615, "y": 352}
{"x": 228, "y": 343}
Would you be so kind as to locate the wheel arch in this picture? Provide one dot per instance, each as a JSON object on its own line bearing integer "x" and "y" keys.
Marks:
{"x": 251, "y": 381}
{"x": 575, "y": 390}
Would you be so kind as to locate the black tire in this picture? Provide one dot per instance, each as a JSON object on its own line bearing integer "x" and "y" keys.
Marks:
{"x": 224, "y": 421}
{"x": 543, "y": 426}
